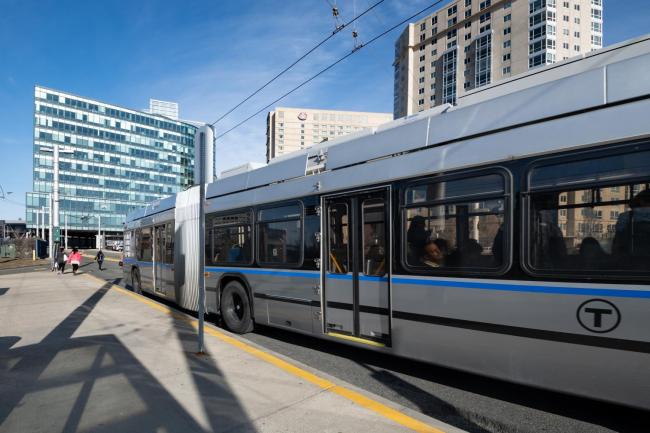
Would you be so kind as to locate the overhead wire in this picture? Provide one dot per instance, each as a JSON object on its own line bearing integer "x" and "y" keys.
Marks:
{"x": 314, "y": 48}
{"x": 322, "y": 71}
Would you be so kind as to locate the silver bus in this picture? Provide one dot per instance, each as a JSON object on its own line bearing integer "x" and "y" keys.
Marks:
{"x": 507, "y": 235}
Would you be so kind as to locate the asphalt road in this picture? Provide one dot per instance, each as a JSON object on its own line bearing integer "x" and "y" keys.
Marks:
{"x": 467, "y": 401}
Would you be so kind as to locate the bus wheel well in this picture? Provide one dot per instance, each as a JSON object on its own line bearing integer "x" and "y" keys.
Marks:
{"x": 241, "y": 280}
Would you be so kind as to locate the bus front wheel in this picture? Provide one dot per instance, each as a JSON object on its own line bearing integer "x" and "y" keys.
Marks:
{"x": 236, "y": 308}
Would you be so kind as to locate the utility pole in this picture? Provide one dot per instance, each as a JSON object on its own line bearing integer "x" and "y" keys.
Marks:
{"x": 65, "y": 218}
{"x": 50, "y": 237}
{"x": 201, "y": 239}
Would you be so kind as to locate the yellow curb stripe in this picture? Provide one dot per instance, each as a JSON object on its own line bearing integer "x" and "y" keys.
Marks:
{"x": 361, "y": 400}
{"x": 356, "y": 339}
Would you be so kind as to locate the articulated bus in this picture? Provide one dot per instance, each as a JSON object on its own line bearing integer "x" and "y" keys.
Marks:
{"x": 507, "y": 235}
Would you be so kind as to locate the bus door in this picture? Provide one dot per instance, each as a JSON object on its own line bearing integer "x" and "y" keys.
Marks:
{"x": 356, "y": 268}
{"x": 160, "y": 268}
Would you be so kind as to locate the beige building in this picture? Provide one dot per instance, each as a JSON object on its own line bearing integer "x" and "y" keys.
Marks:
{"x": 291, "y": 129}
{"x": 472, "y": 43}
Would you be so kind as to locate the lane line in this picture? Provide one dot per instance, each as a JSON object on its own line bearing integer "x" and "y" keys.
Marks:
{"x": 327, "y": 385}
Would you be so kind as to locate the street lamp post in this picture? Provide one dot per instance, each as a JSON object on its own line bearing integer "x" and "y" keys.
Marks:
{"x": 65, "y": 218}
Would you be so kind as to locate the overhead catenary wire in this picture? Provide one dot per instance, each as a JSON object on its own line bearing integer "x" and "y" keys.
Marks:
{"x": 314, "y": 48}
{"x": 322, "y": 71}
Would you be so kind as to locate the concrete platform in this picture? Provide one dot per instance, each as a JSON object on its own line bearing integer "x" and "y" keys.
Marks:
{"x": 78, "y": 354}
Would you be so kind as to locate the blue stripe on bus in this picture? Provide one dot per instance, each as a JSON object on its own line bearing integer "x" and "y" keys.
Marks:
{"x": 619, "y": 293}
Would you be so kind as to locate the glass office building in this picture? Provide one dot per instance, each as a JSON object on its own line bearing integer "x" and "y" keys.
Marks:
{"x": 111, "y": 160}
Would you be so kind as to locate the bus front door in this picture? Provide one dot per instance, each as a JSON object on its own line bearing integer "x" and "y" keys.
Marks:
{"x": 356, "y": 267}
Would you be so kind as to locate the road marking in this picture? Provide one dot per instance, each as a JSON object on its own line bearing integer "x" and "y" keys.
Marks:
{"x": 363, "y": 401}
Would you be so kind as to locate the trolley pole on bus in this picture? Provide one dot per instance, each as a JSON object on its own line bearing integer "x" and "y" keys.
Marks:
{"x": 201, "y": 240}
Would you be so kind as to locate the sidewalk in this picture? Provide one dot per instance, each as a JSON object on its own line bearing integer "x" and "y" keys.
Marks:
{"x": 80, "y": 355}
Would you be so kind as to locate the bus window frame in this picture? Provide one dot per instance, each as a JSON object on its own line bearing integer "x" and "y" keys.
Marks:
{"x": 252, "y": 223}
{"x": 526, "y": 211}
{"x": 508, "y": 224}
{"x": 258, "y": 233}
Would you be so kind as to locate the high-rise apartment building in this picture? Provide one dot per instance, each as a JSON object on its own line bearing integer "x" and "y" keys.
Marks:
{"x": 291, "y": 129}
{"x": 111, "y": 160}
{"x": 472, "y": 43}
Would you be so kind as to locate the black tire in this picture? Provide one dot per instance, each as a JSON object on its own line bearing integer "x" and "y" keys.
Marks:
{"x": 135, "y": 281}
{"x": 236, "y": 308}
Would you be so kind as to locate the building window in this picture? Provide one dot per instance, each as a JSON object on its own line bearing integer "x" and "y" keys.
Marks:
{"x": 449, "y": 66}
{"x": 468, "y": 3}
{"x": 576, "y": 34}
{"x": 423, "y": 27}
{"x": 506, "y": 70}
{"x": 421, "y": 102}
{"x": 576, "y": 48}
{"x": 452, "y": 10}
{"x": 483, "y": 63}
{"x": 506, "y": 57}
{"x": 468, "y": 13}
{"x": 434, "y": 20}
{"x": 484, "y": 17}
{"x": 452, "y": 22}
{"x": 468, "y": 36}
{"x": 507, "y": 18}
{"x": 507, "y": 30}
{"x": 485, "y": 4}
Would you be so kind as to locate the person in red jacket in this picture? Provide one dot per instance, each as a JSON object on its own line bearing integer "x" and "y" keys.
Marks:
{"x": 75, "y": 260}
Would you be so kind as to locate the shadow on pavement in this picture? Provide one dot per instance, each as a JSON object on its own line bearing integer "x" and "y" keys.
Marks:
{"x": 95, "y": 383}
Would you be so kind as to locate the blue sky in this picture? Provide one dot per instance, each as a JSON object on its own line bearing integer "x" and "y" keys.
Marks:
{"x": 206, "y": 55}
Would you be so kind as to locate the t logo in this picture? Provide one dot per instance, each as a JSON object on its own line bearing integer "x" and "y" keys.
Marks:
{"x": 598, "y": 315}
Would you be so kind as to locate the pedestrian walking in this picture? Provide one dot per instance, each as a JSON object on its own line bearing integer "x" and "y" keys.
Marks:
{"x": 75, "y": 260}
{"x": 60, "y": 258}
{"x": 100, "y": 259}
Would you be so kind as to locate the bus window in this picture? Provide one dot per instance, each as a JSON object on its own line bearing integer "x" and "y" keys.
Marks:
{"x": 374, "y": 242}
{"x": 280, "y": 235}
{"x": 229, "y": 239}
{"x": 145, "y": 247}
{"x": 339, "y": 241}
{"x": 582, "y": 221}
{"x": 169, "y": 243}
{"x": 456, "y": 224}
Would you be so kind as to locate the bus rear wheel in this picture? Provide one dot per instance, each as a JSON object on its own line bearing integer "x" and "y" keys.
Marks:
{"x": 236, "y": 308}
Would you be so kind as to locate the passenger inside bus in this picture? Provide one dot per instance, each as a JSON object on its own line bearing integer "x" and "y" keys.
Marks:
{"x": 435, "y": 252}
{"x": 417, "y": 237}
{"x": 592, "y": 255}
{"x": 632, "y": 236}
{"x": 550, "y": 248}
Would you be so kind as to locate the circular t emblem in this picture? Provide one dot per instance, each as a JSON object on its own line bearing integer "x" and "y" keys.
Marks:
{"x": 598, "y": 315}
{"x": 302, "y": 116}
